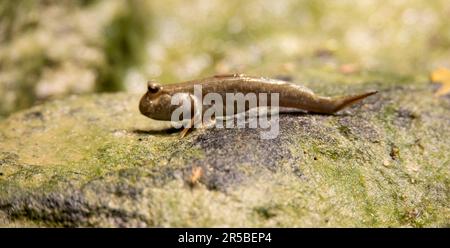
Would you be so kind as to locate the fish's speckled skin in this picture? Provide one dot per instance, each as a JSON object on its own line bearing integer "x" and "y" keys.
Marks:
{"x": 156, "y": 103}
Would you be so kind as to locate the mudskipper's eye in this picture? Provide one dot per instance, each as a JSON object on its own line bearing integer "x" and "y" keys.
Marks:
{"x": 153, "y": 87}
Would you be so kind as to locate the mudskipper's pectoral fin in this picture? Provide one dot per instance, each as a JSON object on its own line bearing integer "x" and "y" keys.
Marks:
{"x": 186, "y": 130}
{"x": 195, "y": 120}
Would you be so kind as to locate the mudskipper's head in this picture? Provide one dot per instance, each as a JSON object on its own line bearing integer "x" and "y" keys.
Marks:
{"x": 155, "y": 103}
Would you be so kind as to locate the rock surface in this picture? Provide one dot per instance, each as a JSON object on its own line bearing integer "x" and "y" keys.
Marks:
{"x": 88, "y": 161}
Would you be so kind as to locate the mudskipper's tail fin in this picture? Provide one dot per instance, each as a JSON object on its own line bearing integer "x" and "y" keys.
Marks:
{"x": 345, "y": 101}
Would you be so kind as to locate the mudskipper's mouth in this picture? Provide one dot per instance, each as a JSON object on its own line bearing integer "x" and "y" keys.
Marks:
{"x": 143, "y": 106}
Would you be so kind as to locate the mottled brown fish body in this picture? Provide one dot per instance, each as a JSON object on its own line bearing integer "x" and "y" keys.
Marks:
{"x": 290, "y": 95}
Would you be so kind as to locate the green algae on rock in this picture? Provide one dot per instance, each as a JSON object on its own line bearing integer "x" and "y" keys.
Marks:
{"x": 88, "y": 161}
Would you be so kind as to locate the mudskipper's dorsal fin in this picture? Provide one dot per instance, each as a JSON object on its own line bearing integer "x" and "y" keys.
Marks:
{"x": 230, "y": 75}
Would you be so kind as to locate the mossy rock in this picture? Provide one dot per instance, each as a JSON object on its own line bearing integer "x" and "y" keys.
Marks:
{"x": 89, "y": 161}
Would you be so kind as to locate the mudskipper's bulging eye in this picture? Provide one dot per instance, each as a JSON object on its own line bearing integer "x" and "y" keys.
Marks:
{"x": 153, "y": 87}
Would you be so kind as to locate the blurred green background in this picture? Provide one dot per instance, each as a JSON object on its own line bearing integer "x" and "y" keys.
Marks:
{"x": 53, "y": 48}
